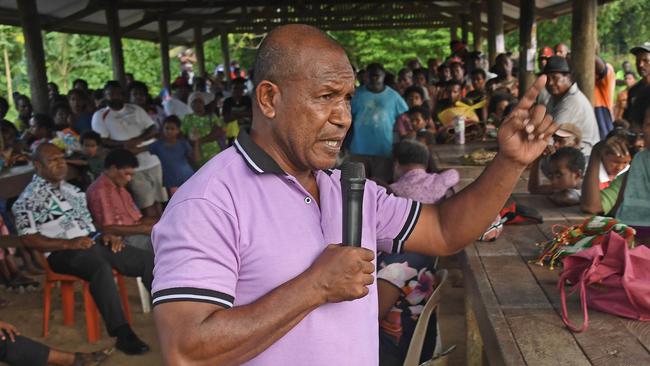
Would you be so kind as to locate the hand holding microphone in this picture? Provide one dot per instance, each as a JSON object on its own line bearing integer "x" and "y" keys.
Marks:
{"x": 344, "y": 272}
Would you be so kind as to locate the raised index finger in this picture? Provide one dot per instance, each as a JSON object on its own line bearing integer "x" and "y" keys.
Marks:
{"x": 530, "y": 97}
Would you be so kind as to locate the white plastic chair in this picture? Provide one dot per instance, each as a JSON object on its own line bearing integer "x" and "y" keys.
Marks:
{"x": 417, "y": 342}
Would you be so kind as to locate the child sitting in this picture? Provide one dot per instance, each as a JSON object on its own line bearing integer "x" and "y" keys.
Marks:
{"x": 414, "y": 98}
{"x": 565, "y": 171}
{"x": 91, "y": 158}
{"x": 411, "y": 160}
{"x": 628, "y": 196}
{"x": 175, "y": 153}
{"x": 611, "y": 166}
{"x": 41, "y": 129}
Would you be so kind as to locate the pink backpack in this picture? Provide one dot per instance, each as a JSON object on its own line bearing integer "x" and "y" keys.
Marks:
{"x": 611, "y": 278}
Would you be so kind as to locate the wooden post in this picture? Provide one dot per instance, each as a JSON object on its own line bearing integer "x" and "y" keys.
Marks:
{"x": 226, "y": 54}
{"x": 453, "y": 30}
{"x": 198, "y": 48}
{"x": 464, "y": 28}
{"x": 115, "y": 38}
{"x": 163, "y": 36}
{"x": 583, "y": 45}
{"x": 527, "y": 44}
{"x": 30, "y": 22}
{"x": 477, "y": 31}
{"x": 496, "y": 40}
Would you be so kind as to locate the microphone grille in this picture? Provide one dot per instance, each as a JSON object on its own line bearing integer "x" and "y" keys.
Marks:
{"x": 353, "y": 170}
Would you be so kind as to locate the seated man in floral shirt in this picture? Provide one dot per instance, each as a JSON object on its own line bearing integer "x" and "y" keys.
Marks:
{"x": 51, "y": 216}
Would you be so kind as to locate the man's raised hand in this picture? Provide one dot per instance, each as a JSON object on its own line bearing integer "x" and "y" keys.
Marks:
{"x": 525, "y": 133}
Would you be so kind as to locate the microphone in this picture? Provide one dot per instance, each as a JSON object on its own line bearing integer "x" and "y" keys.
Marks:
{"x": 353, "y": 182}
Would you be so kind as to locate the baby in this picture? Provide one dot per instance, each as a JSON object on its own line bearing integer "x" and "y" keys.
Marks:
{"x": 565, "y": 172}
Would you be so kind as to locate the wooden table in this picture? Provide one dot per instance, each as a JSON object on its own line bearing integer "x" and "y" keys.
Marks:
{"x": 14, "y": 180}
{"x": 513, "y": 306}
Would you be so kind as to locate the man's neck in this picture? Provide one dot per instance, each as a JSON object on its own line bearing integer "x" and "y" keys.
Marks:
{"x": 376, "y": 91}
{"x": 55, "y": 183}
{"x": 302, "y": 175}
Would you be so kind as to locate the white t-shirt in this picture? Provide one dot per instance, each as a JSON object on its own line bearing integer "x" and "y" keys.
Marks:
{"x": 176, "y": 107}
{"x": 129, "y": 122}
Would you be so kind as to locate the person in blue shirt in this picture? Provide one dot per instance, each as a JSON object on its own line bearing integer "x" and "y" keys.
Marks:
{"x": 375, "y": 108}
{"x": 177, "y": 156}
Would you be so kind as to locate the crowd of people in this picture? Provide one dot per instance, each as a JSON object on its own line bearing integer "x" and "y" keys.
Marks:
{"x": 105, "y": 161}
{"x": 108, "y": 161}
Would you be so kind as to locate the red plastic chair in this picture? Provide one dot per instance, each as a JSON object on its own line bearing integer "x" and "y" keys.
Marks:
{"x": 93, "y": 327}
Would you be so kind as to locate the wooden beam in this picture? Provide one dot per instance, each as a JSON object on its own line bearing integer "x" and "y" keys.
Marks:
{"x": 198, "y": 48}
{"x": 225, "y": 52}
{"x": 146, "y": 19}
{"x": 211, "y": 4}
{"x": 163, "y": 38}
{"x": 583, "y": 42}
{"x": 527, "y": 44}
{"x": 347, "y": 26}
{"x": 477, "y": 31}
{"x": 496, "y": 38}
{"x": 115, "y": 38}
{"x": 30, "y": 22}
{"x": 90, "y": 9}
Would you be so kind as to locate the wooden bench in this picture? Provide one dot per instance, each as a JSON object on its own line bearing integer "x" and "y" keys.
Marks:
{"x": 513, "y": 305}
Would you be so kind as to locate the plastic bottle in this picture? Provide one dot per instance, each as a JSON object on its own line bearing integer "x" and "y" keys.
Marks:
{"x": 459, "y": 130}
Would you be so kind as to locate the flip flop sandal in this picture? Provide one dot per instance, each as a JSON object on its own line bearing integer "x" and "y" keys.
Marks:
{"x": 92, "y": 359}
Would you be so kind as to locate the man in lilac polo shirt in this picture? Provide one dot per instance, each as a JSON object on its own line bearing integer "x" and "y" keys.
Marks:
{"x": 245, "y": 270}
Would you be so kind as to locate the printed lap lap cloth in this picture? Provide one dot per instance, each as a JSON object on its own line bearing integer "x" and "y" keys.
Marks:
{"x": 574, "y": 239}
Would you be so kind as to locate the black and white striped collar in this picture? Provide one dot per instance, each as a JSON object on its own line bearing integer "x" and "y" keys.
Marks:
{"x": 257, "y": 159}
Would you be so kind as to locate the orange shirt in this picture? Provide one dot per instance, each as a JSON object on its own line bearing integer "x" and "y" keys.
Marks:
{"x": 604, "y": 90}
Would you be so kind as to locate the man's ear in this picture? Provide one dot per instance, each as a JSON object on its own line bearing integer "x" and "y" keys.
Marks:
{"x": 267, "y": 94}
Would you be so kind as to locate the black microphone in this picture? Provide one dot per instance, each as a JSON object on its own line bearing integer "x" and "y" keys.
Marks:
{"x": 353, "y": 181}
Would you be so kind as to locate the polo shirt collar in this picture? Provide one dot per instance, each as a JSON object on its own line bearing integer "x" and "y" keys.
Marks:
{"x": 256, "y": 158}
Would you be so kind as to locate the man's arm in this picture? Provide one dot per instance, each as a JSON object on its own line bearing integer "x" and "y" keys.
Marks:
{"x": 207, "y": 334}
{"x": 126, "y": 230}
{"x": 535, "y": 185}
{"x": 45, "y": 244}
{"x": 447, "y": 228}
{"x": 149, "y": 133}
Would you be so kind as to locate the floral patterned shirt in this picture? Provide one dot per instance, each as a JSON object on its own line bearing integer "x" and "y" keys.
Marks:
{"x": 202, "y": 125}
{"x": 414, "y": 275}
{"x": 52, "y": 211}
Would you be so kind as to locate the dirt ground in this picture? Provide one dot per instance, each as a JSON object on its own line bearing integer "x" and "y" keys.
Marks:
{"x": 26, "y": 312}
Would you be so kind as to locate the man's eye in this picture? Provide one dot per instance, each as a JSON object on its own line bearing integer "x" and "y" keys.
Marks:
{"x": 327, "y": 96}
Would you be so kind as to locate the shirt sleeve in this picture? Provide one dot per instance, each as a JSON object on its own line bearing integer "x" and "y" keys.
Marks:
{"x": 98, "y": 202}
{"x": 98, "y": 124}
{"x": 402, "y": 107}
{"x": 25, "y": 223}
{"x": 145, "y": 121}
{"x": 396, "y": 219}
{"x": 196, "y": 247}
{"x": 609, "y": 195}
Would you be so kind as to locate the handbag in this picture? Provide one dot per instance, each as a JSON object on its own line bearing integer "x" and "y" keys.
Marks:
{"x": 611, "y": 278}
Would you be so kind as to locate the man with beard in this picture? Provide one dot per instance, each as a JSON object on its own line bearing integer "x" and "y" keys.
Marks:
{"x": 128, "y": 126}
